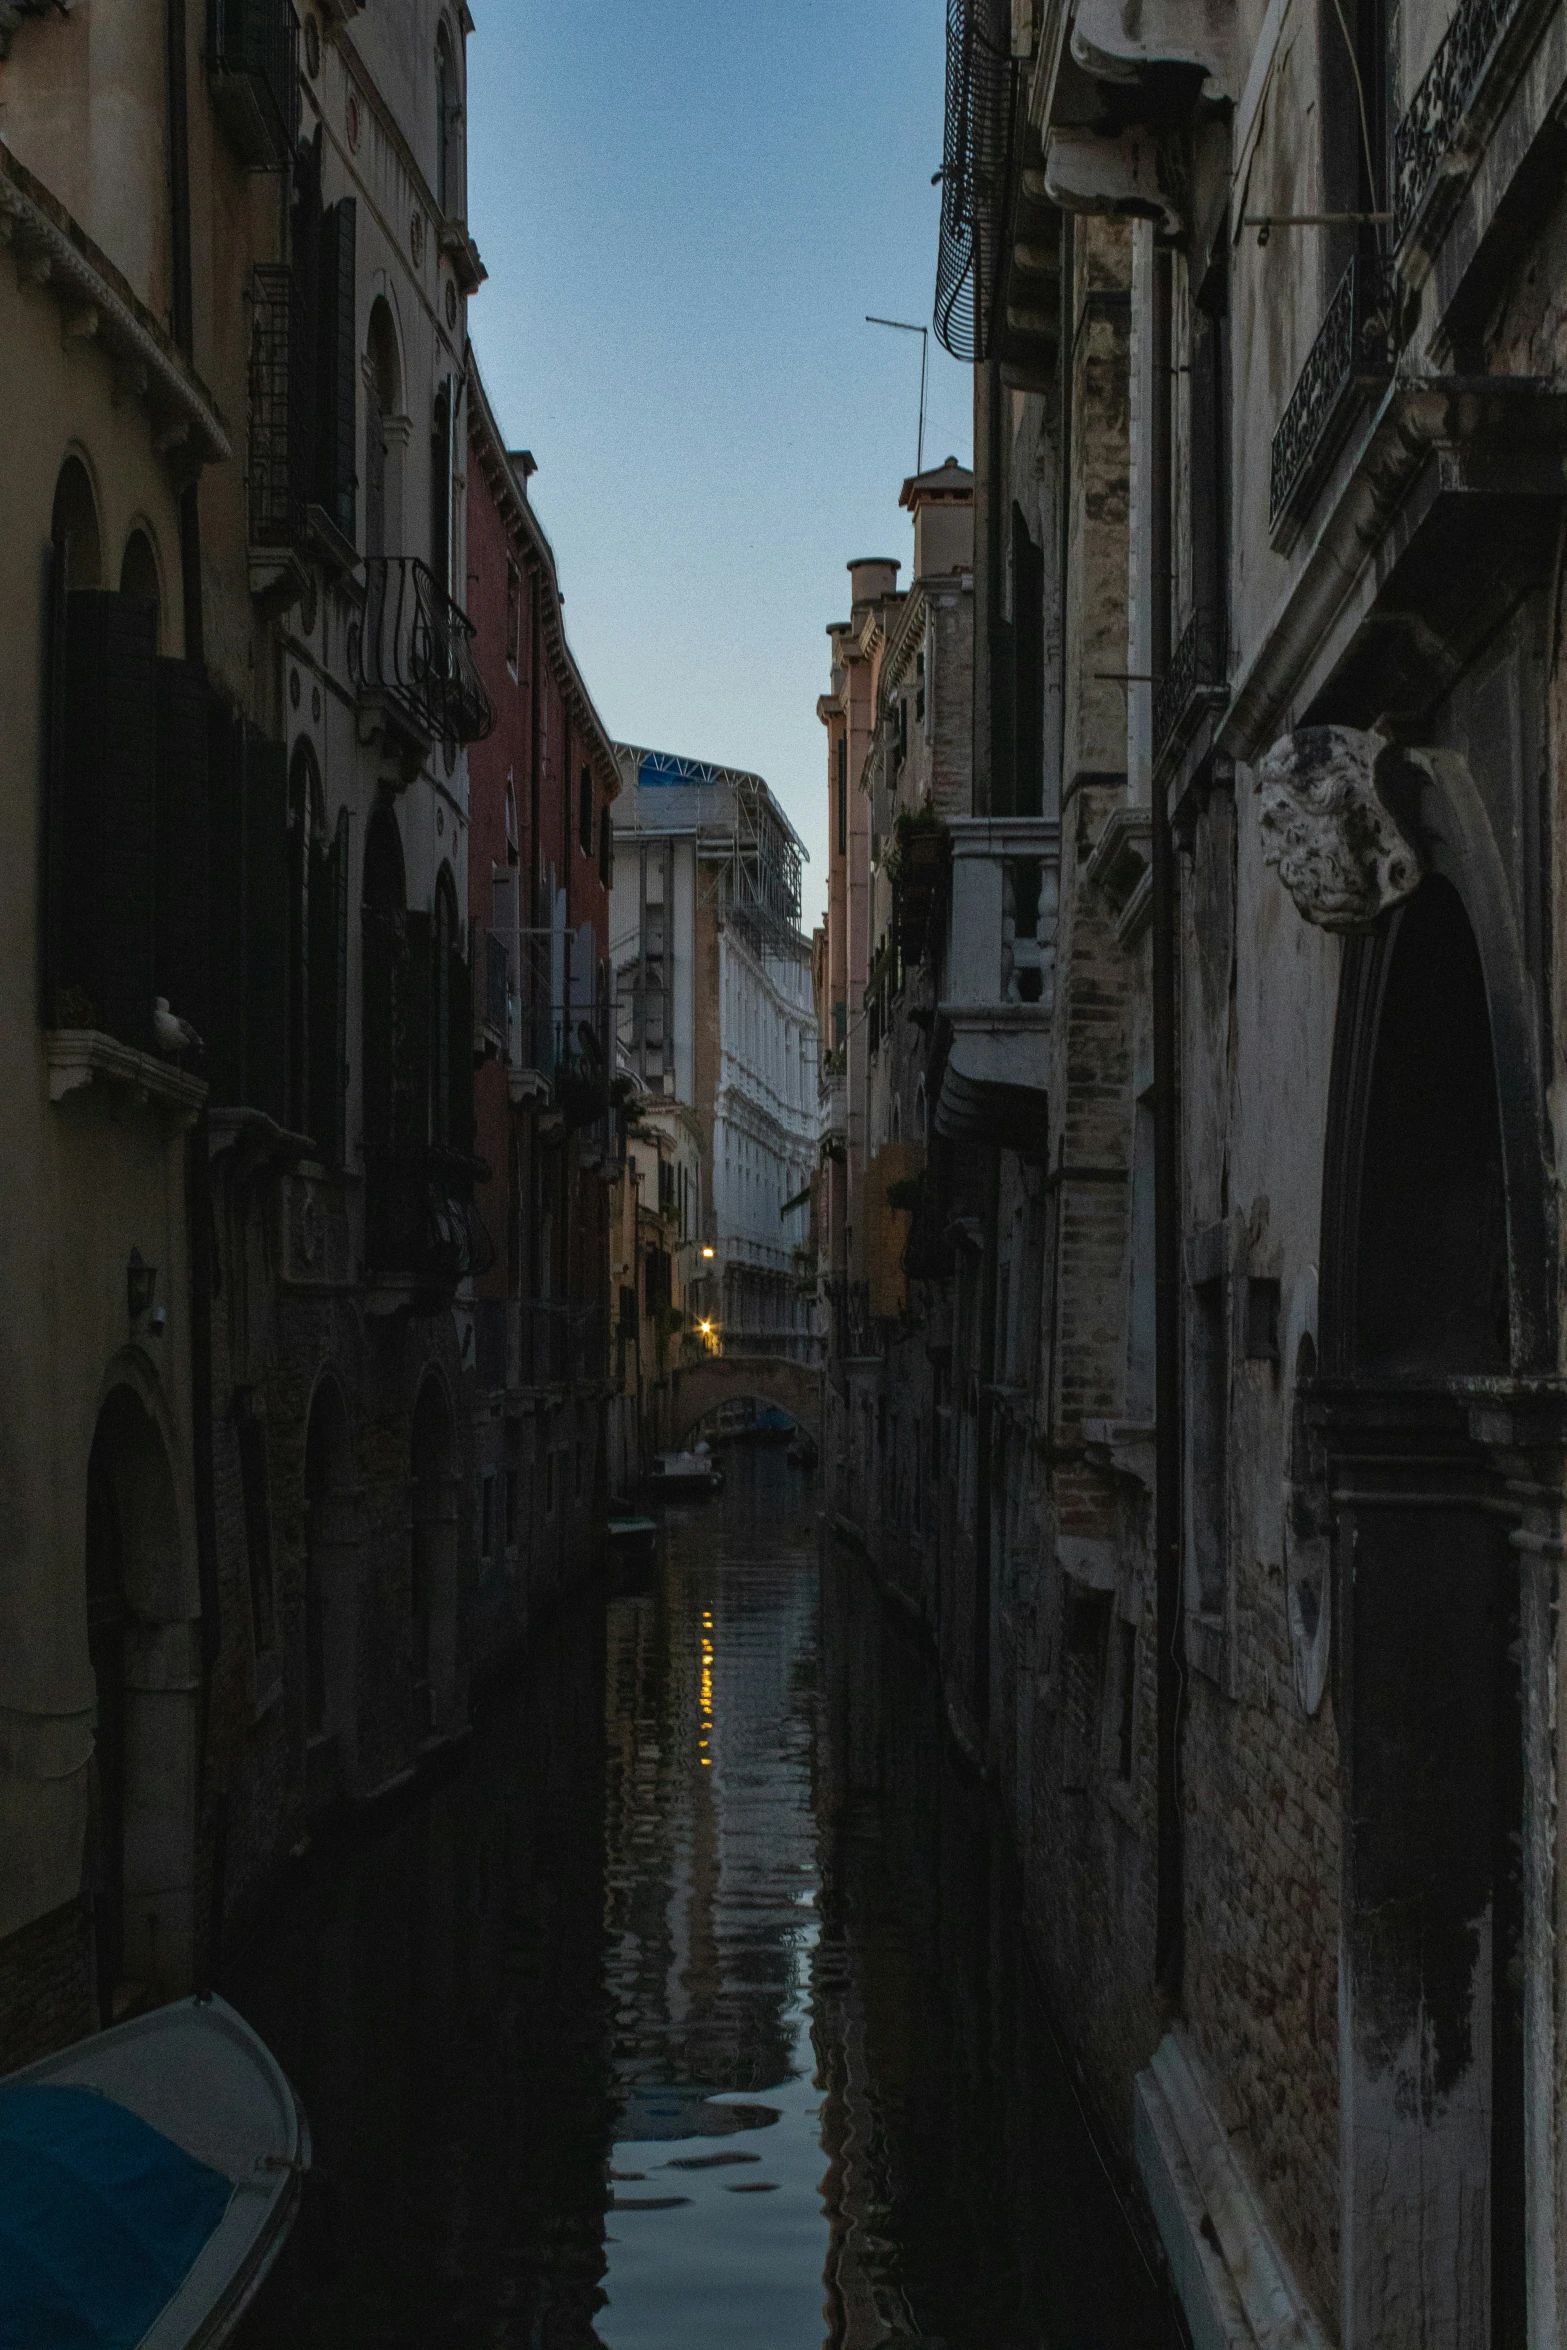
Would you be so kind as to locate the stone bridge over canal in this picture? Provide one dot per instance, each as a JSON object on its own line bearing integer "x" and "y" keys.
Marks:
{"x": 695, "y": 1389}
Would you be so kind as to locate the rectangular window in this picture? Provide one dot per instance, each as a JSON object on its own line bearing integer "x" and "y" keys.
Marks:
{"x": 585, "y": 812}
{"x": 513, "y": 616}
{"x": 843, "y": 795}
{"x": 487, "y": 1517}
{"x": 606, "y": 849}
{"x": 511, "y": 1508}
{"x": 549, "y": 1485}
{"x": 580, "y": 1473}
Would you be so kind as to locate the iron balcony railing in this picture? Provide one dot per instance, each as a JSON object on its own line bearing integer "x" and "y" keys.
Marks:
{"x": 1430, "y": 124}
{"x": 976, "y": 167}
{"x": 1355, "y": 348}
{"x": 1194, "y": 678}
{"x": 415, "y": 647}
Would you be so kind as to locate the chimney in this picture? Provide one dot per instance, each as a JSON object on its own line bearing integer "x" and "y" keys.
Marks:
{"x": 873, "y": 576}
{"x": 942, "y": 504}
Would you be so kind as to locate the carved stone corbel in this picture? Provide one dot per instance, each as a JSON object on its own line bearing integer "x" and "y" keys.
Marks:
{"x": 1327, "y": 830}
{"x": 1091, "y": 171}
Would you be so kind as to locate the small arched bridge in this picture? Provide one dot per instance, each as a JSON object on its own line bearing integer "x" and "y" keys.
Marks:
{"x": 695, "y": 1389}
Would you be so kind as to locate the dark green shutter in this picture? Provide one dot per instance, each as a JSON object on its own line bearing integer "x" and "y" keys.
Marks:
{"x": 459, "y": 1049}
{"x": 52, "y": 901}
{"x": 226, "y": 955}
{"x": 328, "y": 989}
{"x": 384, "y": 949}
{"x": 337, "y": 368}
{"x": 413, "y": 1035}
{"x": 266, "y": 925}
{"x": 106, "y": 807}
{"x": 183, "y": 879}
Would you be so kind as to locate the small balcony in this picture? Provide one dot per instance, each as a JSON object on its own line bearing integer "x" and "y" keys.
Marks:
{"x": 423, "y": 1233}
{"x": 1354, "y": 353}
{"x": 1193, "y": 682}
{"x": 1001, "y": 969}
{"x": 562, "y": 1059}
{"x": 412, "y": 656}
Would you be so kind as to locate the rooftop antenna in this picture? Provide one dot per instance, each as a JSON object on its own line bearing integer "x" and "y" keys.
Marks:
{"x": 905, "y": 328}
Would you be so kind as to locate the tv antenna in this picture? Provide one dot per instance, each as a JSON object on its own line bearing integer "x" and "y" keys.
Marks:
{"x": 904, "y": 327}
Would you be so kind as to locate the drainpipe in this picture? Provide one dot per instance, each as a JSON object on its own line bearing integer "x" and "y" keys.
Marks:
{"x": 1169, "y": 1931}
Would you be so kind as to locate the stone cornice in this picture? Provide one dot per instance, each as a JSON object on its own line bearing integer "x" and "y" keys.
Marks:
{"x": 488, "y": 445}
{"x": 51, "y": 251}
{"x": 451, "y": 233}
{"x": 906, "y": 631}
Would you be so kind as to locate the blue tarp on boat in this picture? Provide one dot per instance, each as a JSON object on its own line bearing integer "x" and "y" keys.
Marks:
{"x": 101, "y": 2220}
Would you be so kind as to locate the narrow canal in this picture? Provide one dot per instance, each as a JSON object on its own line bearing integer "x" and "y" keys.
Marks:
{"x": 688, "y": 2012}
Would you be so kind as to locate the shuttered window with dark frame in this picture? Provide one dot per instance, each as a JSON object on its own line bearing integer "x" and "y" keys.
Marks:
{"x": 100, "y": 860}
{"x": 227, "y": 930}
{"x": 181, "y": 947}
{"x": 267, "y": 926}
{"x": 337, "y": 369}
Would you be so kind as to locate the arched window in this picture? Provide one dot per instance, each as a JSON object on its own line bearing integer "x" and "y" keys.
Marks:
{"x": 383, "y": 409}
{"x": 74, "y": 526}
{"x": 384, "y": 920}
{"x": 139, "y": 573}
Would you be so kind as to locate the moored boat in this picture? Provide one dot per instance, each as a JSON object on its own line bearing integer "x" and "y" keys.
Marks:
{"x": 148, "y": 2179}
{"x": 685, "y": 1473}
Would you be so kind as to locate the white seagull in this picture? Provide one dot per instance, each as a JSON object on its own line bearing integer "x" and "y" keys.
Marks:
{"x": 174, "y": 1035}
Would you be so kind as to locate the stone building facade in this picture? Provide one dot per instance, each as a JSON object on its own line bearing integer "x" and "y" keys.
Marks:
{"x": 715, "y": 1009}
{"x": 245, "y": 1466}
{"x": 540, "y": 849}
{"x": 1245, "y": 1254}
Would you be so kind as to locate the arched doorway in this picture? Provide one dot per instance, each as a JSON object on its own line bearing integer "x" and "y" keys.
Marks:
{"x": 332, "y": 1539}
{"x": 1428, "y": 1685}
{"x": 434, "y": 1562}
{"x": 139, "y": 1862}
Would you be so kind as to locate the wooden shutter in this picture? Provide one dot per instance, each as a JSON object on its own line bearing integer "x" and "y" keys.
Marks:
{"x": 52, "y": 898}
{"x": 384, "y": 948}
{"x": 459, "y": 1049}
{"x": 337, "y": 366}
{"x": 328, "y": 989}
{"x": 106, "y": 808}
{"x": 226, "y": 943}
{"x": 413, "y": 1036}
{"x": 266, "y": 925}
{"x": 180, "y": 951}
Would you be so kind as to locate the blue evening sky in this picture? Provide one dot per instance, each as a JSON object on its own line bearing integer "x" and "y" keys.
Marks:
{"x": 686, "y": 208}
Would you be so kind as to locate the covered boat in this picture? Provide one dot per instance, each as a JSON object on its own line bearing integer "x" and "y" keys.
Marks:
{"x": 148, "y": 2179}
{"x": 685, "y": 1473}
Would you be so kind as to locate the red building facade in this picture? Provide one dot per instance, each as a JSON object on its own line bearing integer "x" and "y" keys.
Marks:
{"x": 540, "y": 849}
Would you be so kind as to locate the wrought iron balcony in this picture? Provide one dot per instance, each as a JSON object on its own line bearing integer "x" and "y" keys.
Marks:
{"x": 1193, "y": 680}
{"x": 976, "y": 168}
{"x": 1429, "y": 127}
{"x": 414, "y": 652}
{"x": 276, "y": 505}
{"x": 1355, "y": 349}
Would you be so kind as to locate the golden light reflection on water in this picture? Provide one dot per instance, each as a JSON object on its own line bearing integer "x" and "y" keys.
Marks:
{"x": 707, "y": 1689}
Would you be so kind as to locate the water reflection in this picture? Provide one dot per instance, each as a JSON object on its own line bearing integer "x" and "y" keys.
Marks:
{"x": 710, "y": 2031}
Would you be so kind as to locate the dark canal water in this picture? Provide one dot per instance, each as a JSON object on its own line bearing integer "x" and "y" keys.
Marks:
{"x": 688, "y": 2012}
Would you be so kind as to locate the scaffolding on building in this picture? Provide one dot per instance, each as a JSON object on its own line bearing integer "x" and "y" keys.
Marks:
{"x": 748, "y": 853}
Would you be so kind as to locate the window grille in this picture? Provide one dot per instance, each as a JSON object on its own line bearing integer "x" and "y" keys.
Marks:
{"x": 273, "y": 519}
{"x": 976, "y": 169}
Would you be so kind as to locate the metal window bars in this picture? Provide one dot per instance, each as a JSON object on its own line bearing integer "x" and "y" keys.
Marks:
{"x": 414, "y": 646}
{"x": 274, "y": 517}
{"x": 1355, "y": 347}
{"x": 253, "y": 60}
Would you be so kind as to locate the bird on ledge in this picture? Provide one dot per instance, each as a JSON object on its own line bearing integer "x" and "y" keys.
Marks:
{"x": 173, "y": 1034}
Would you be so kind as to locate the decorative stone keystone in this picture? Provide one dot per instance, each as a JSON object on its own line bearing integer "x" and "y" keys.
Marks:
{"x": 1327, "y": 830}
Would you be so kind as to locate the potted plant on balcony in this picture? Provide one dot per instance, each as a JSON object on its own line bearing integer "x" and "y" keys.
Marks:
{"x": 916, "y": 866}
